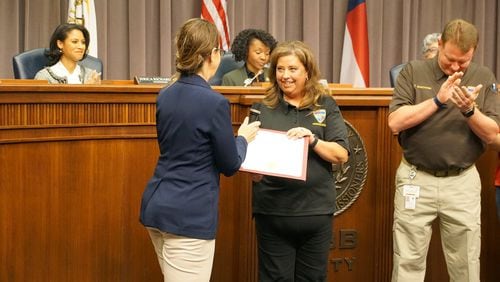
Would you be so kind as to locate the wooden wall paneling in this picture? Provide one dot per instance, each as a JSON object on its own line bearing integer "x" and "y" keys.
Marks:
{"x": 247, "y": 245}
{"x": 72, "y": 169}
{"x": 346, "y": 262}
{"x": 490, "y": 223}
{"x": 73, "y": 216}
{"x": 384, "y": 205}
{"x": 225, "y": 269}
{"x": 74, "y": 161}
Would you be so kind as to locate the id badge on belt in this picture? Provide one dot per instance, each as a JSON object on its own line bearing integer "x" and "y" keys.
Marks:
{"x": 411, "y": 192}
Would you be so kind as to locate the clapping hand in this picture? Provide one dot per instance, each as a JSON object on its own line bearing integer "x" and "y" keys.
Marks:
{"x": 94, "y": 78}
{"x": 447, "y": 88}
{"x": 464, "y": 97}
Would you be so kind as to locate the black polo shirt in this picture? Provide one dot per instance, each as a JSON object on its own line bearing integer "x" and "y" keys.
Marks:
{"x": 315, "y": 196}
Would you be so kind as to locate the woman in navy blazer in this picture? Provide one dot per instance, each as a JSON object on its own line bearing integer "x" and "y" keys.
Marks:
{"x": 180, "y": 203}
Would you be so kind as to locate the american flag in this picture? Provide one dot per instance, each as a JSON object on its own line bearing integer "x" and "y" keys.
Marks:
{"x": 216, "y": 11}
{"x": 355, "y": 68}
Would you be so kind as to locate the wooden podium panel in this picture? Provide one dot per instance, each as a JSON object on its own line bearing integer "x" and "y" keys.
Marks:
{"x": 74, "y": 161}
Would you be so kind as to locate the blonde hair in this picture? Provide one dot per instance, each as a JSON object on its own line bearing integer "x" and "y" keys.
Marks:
{"x": 312, "y": 88}
{"x": 461, "y": 33}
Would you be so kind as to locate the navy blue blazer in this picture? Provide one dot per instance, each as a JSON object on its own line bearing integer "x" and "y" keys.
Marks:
{"x": 197, "y": 143}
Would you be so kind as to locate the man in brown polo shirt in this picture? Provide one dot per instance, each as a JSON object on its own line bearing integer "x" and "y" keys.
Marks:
{"x": 445, "y": 112}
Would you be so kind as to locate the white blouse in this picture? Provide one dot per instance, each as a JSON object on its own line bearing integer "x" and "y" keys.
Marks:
{"x": 72, "y": 78}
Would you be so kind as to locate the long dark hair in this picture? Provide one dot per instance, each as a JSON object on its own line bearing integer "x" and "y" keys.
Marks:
{"x": 61, "y": 33}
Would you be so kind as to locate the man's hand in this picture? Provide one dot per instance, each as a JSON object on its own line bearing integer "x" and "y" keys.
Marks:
{"x": 446, "y": 90}
{"x": 464, "y": 97}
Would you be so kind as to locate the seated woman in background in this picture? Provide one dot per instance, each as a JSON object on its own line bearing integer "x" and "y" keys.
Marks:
{"x": 430, "y": 45}
{"x": 254, "y": 47}
{"x": 68, "y": 45}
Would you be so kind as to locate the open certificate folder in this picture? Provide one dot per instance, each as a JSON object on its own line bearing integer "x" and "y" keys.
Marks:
{"x": 272, "y": 153}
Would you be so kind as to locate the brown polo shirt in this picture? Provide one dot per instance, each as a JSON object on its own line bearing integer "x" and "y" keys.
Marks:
{"x": 444, "y": 141}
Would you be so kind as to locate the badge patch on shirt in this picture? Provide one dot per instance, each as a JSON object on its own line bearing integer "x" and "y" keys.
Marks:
{"x": 494, "y": 87}
{"x": 423, "y": 87}
{"x": 320, "y": 115}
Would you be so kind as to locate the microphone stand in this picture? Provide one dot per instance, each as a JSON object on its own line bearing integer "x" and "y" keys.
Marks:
{"x": 249, "y": 81}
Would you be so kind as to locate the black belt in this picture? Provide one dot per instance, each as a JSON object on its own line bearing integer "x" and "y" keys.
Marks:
{"x": 439, "y": 173}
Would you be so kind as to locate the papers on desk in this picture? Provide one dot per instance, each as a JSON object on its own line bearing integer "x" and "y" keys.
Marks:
{"x": 272, "y": 153}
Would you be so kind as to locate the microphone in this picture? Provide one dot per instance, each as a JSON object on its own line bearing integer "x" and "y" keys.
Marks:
{"x": 254, "y": 113}
{"x": 249, "y": 81}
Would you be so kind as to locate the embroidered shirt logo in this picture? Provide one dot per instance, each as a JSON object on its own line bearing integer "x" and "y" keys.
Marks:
{"x": 423, "y": 87}
{"x": 320, "y": 115}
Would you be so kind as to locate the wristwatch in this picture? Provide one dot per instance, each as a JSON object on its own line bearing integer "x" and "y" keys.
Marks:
{"x": 469, "y": 112}
{"x": 438, "y": 103}
{"x": 314, "y": 142}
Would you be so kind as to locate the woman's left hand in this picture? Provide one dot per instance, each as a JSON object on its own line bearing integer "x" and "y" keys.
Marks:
{"x": 299, "y": 132}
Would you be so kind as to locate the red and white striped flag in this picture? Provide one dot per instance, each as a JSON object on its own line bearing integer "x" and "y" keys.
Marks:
{"x": 355, "y": 68}
{"x": 216, "y": 11}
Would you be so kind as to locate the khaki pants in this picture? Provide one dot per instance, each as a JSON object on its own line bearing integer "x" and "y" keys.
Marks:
{"x": 456, "y": 200}
{"x": 181, "y": 258}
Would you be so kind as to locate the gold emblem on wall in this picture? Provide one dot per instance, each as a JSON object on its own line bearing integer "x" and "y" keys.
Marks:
{"x": 350, "y": 177}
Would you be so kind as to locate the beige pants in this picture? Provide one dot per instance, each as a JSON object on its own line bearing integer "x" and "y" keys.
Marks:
{"x": 181, "y": 258}
{"x": 456, "y": 200}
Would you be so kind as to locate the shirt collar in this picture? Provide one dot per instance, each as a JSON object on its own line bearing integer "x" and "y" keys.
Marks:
{"x": 439, "y": 74}
{"x": 72, "y": 78}
{"x": 287, "y": 107}
{"x": 194, "y": 79}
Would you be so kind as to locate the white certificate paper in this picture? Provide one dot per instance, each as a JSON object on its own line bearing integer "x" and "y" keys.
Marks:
{"x": 272, "y": 153}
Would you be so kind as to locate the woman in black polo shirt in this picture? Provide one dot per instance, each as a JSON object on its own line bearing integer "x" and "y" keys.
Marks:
{"x": 293, "y": 217}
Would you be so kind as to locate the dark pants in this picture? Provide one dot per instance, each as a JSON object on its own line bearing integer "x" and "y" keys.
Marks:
{"x": 498, "y": 202}
{"x": 293, "y": 248}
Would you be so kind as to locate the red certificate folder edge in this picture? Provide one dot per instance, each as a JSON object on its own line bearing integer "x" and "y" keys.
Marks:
{"x": 303, "y": 175}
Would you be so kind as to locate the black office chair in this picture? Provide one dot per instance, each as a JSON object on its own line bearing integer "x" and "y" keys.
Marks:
{"x": 227, "y": 64}
{"x": 28, "y": 63}
{"x": 394, "y": 72}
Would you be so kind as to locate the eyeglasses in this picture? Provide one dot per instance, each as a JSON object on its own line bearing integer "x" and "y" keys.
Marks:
{"x": 221, "y": 51}
{"x": 431, "y": 50}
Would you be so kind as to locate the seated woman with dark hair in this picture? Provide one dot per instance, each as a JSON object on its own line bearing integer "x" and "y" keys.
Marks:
{"x": 68, "y": 46}
{"x": 254, "y": 47}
